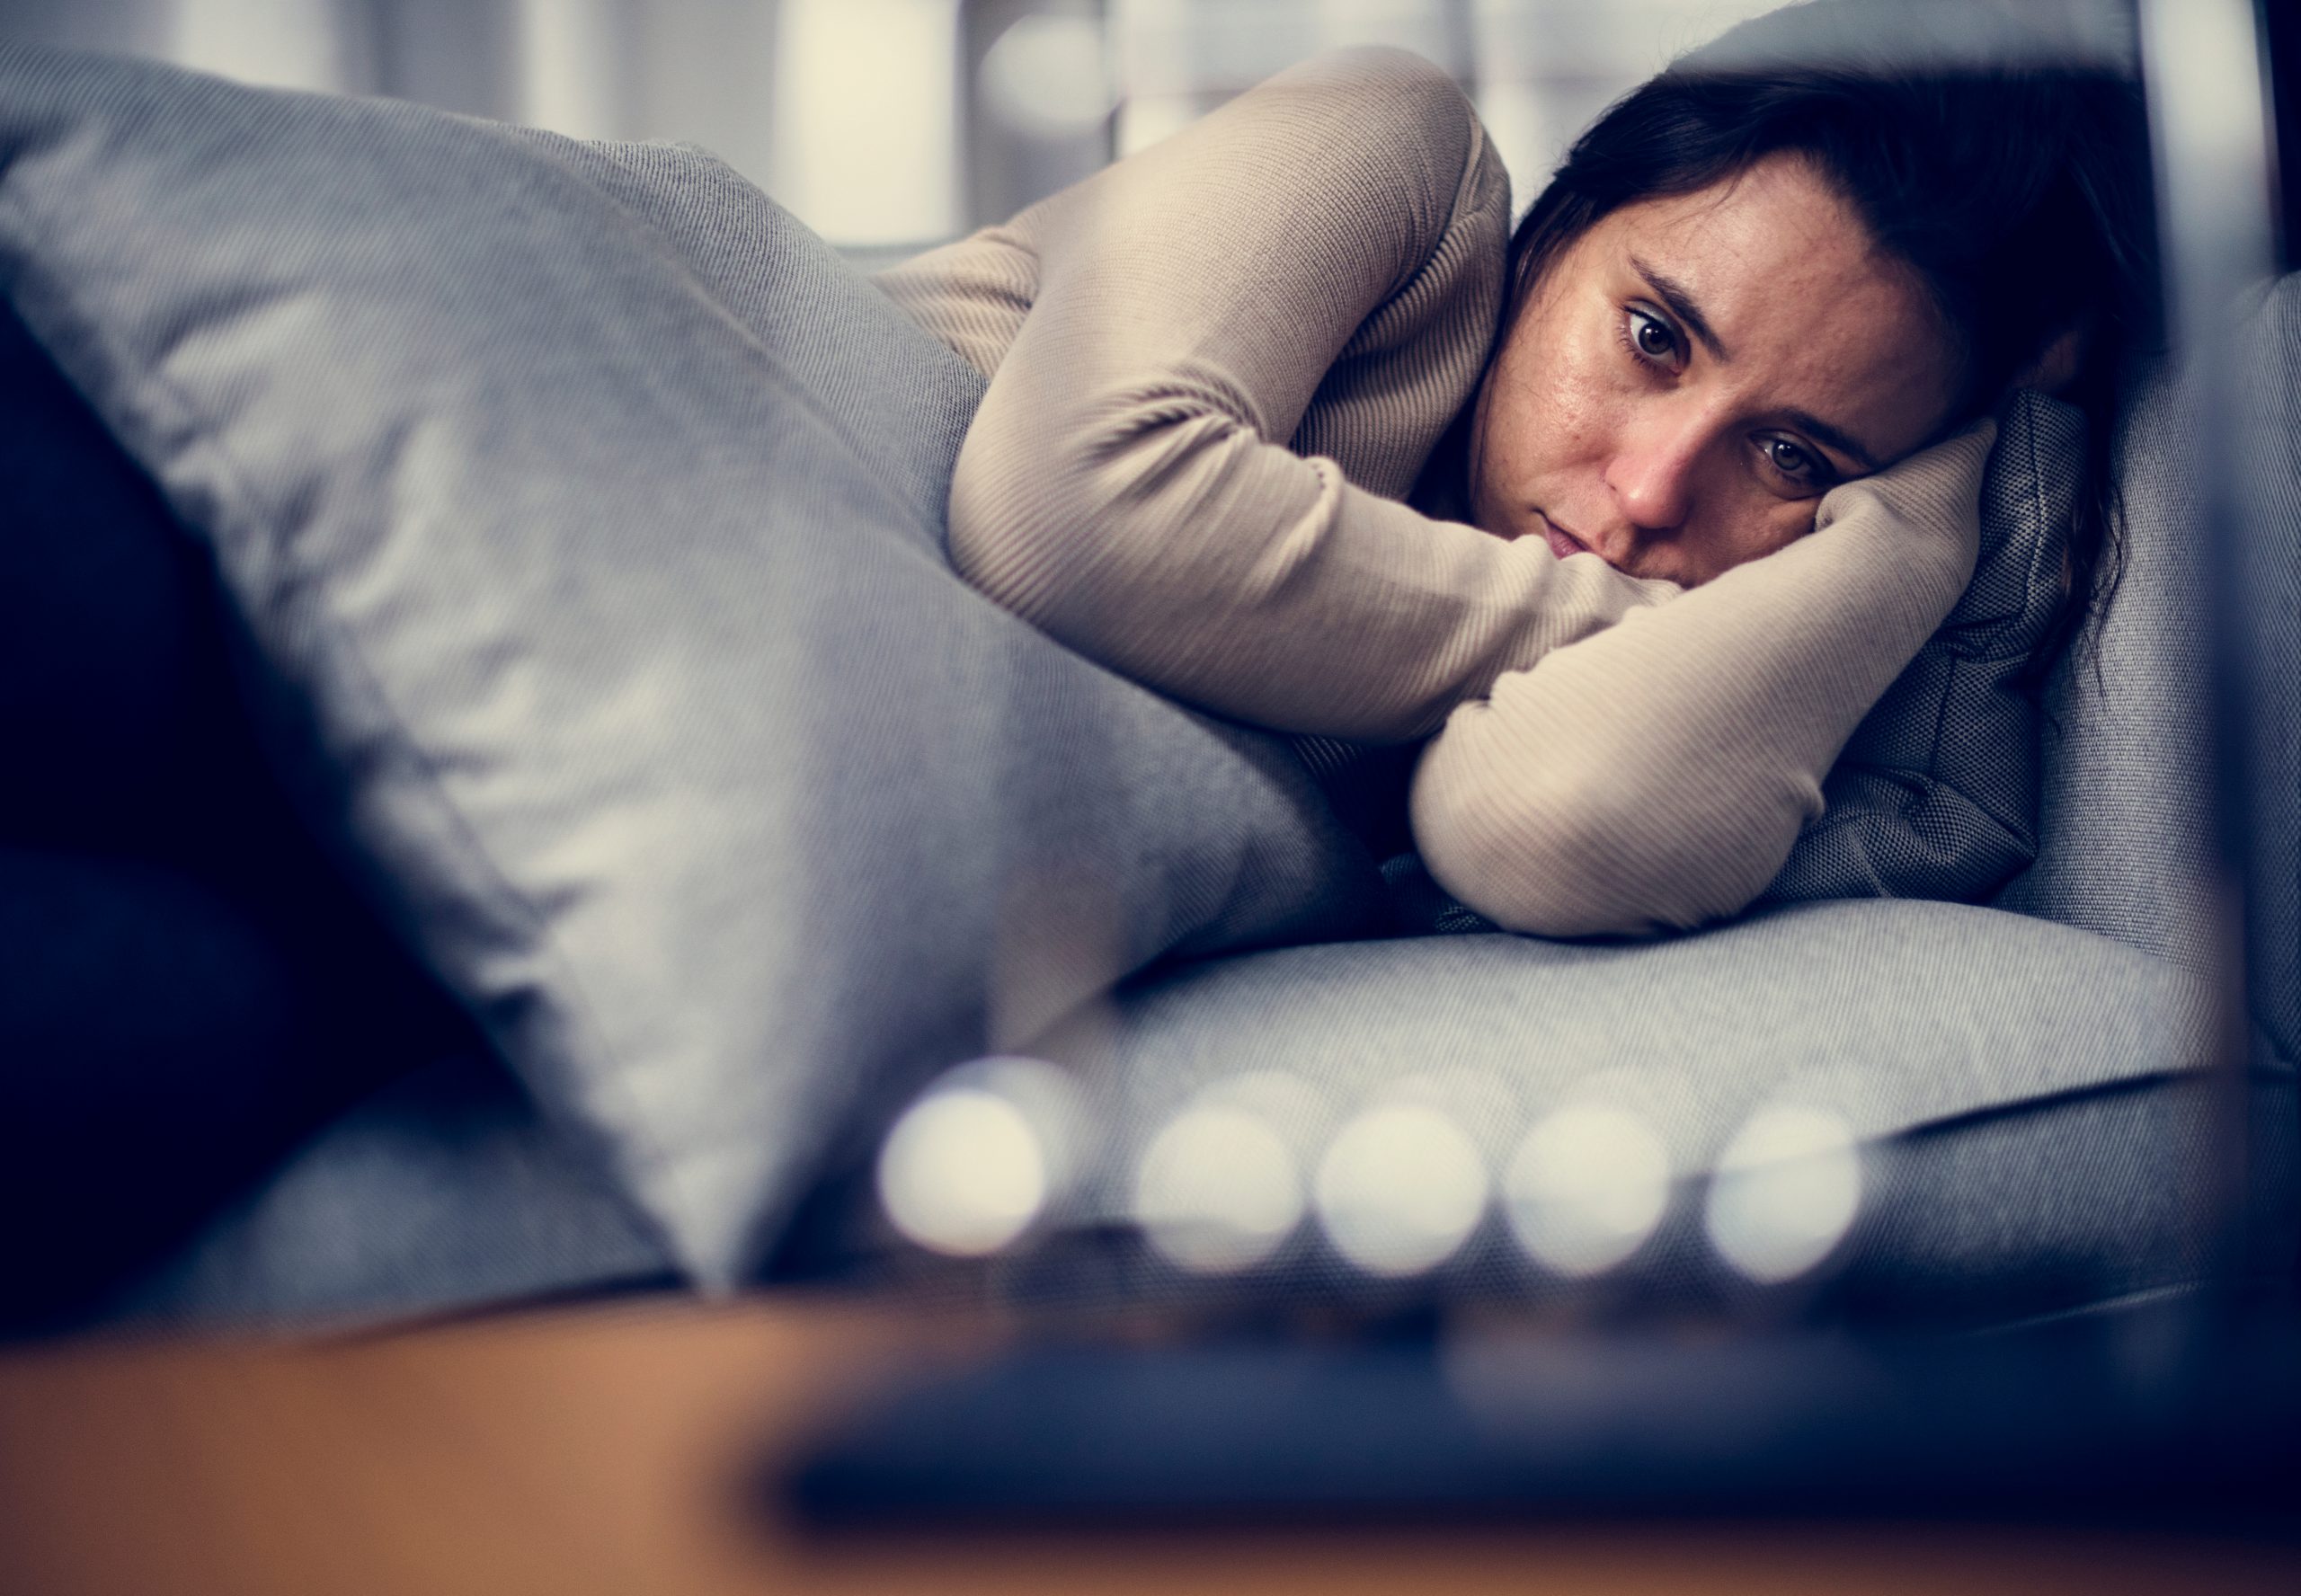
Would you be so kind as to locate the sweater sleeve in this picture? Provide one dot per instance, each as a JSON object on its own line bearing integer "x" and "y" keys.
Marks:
{"x": 972, "y": 294}
{"x": 1655, "y": 775}
{"x": 1336, "y": 235}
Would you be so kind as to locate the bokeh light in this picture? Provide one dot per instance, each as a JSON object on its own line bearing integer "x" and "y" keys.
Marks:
{"x": 1049, "y": 74}
{"x": 1586, "y": 1188}
{"x": 1399, "y": 1189}
{"x": 1785, "y": 1192}
{"x": 1217, "y": 1189}
{"x": 975, "y": 1161}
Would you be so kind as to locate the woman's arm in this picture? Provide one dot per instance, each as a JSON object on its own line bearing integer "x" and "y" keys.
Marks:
{"x": 1335, "y": 235}
{"x": 971, "y": 294}
{"x": 1655, "y": 775}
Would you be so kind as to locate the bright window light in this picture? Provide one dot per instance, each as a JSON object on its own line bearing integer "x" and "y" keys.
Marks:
{"x": 291, "y": 44}
{"x": 569, "y": 74}
{"x": 866, "y": 123}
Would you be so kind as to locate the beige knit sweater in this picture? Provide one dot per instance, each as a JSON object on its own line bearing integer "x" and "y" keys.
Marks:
{"x": 1217, "y": 368}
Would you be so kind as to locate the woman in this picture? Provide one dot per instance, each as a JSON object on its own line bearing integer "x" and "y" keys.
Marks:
{"x": 1280, "y": 424}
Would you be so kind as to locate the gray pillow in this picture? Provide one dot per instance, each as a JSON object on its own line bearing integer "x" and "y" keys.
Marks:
{"x": 580, "y": 514}
{"x": 1926, "y": 1028}
{"x": 1935, "y": 794}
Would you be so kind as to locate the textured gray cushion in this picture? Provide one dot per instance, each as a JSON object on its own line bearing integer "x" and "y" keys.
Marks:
{"x": 1933, "y": 1032}
{"x": 2126, "y": 849}
{"x": 2128, "y": 778}
{"x": 2270, "y": 591}
{"x": 1935, "y": 795}
{"x": 2028, "y": 1141}
{"x": 581, "y": 513}
{"x": 444, "y": 1191}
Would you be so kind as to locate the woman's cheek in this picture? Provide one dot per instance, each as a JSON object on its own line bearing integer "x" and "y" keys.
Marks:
{"x": 1554, "y": 399}
{"x": 1788, "y": 522}
{"x": 1570, "y": 413}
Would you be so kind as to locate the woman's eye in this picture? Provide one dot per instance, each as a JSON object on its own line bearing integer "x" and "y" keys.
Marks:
{"x": 1653, "y": 338}
{"x": 1791, "y": 461}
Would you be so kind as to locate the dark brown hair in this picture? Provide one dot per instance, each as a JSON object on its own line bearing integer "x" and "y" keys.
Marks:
{"x": 2018, "y": 194}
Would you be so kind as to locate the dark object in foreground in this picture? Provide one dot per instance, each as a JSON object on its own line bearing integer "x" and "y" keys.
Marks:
{"x": 2151, "y": 1422}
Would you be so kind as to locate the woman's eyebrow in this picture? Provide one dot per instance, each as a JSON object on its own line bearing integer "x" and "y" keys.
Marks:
{"x": 1679, "y": 300}
{"x": 1823, "y": 433}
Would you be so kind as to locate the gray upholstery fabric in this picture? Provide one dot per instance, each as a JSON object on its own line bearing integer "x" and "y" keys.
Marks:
{"x": 1935, "y": 794}
{"x": 2030, "y": 1139}
{"x": 1891, "y": 1015}
{"x": 2126, "y": 847}
{"x": 591, "y": 554}
{"x": 898, "y": 397}
{"x": 445, "y": 1190}
{"x": 2269, "y": 588}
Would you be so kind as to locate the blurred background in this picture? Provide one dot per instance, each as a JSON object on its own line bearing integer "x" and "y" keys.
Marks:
{"x": 889, "y": 124}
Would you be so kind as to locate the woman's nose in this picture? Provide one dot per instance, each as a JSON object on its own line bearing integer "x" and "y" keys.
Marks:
{"x": 1652, "y": 471}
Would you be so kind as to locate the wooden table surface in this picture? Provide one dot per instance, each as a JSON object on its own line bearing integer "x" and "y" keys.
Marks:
{"x": 609, "y": 1449}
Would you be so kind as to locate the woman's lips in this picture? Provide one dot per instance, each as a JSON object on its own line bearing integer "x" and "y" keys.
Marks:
{"x": 1562, "y": 543}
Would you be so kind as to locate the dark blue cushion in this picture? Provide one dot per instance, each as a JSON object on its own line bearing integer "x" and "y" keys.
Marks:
{"x": 187, "y": 988}
{"x": 155, "y": 1046}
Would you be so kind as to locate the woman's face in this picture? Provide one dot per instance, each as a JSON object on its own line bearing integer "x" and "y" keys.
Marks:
{"x": 1693, "y": 373}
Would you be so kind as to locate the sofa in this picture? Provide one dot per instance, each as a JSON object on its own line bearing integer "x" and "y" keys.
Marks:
{"x": 389, "y": 1095}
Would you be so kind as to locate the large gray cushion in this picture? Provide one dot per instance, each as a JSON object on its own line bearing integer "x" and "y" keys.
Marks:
{"x": 582, "y": 514}
{"x": 2270, "y": 595}
{"x": 1935, "y": 795}
{"x": 2031, "y": 1136}
{"x": 2033, "y": 1132}
{"x": 2126, "y": 844}
{"x": 2126, "y": 838}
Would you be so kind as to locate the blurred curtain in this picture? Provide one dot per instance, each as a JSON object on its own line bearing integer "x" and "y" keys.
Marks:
{"x": 890, "y": 124}
{"x": 694, "y": 69}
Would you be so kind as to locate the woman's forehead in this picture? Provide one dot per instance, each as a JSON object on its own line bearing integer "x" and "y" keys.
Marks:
{"x": 1781, "y": 287}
